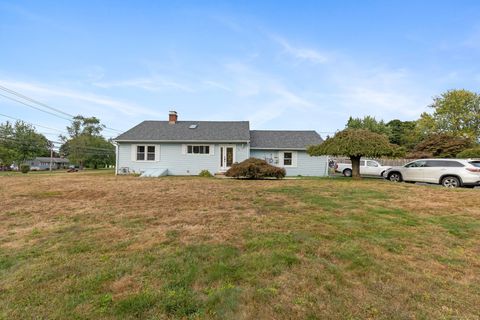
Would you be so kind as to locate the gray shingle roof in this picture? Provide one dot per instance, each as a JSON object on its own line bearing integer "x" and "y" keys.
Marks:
{"x": 180, "y": 131}
{"x": 273, "y": 139}
{"x": 56, "y": 160}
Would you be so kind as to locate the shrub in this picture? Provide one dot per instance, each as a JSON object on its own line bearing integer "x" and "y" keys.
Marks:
{"x": 440, "y": 145}
{"x": 24, "y": 168}
{"x": 205, "y": 173}
{"x": 470, "y": 153}
{"x": 255, "y": 169}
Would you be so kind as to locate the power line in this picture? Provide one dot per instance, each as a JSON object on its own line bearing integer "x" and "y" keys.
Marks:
{"x": 33, "y": 124}
{"x": 36, "y": 108}
{"x": 34, "y": 101}
{"x": 72, "y": 117}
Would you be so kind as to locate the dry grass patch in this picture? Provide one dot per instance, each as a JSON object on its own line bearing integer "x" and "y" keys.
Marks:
{"x": 106, "y": 247}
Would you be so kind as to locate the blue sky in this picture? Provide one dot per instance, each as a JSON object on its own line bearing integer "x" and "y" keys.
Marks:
{"x": 281, "y": 65}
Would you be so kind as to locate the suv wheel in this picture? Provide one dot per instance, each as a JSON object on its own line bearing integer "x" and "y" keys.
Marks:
{"x": 395, "y": 177}
{"x": 347, "y": 172}
{"x": 451, "y": 182}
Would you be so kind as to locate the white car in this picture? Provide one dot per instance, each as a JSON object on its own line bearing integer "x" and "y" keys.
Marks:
{"x": 367, "y": 168}
{"x": 450, "y": 173}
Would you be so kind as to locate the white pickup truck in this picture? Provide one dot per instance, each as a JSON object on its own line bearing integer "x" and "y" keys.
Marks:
{"x": 367, "y": 168}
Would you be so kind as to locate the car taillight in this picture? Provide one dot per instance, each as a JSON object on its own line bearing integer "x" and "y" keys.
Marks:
{"x": 336, "y": 165}
{"x": 473, "y": 169}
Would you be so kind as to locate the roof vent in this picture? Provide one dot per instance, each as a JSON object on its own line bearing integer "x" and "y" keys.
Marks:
{"x": 193, "y": 126}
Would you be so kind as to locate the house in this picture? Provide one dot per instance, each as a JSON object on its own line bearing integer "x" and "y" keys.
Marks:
{"x": 43, "y": 163}
{"x": 187, "y": 147}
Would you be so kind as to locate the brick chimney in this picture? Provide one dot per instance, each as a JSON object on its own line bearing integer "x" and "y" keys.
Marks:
{"x": 172, "y": 117}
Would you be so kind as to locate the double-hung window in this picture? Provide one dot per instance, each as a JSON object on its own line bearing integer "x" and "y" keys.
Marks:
{"x": 287, "y": 158}
{"x": 140, "y": 153}
{"x": 145, "y": 153}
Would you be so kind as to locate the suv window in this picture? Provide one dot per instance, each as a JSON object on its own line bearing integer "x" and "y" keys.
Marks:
{"x": 362, "y": 163}
{"x": 416, "y": 164}
{"x": 444, "y": 163}
{"x": 475, "y": 163}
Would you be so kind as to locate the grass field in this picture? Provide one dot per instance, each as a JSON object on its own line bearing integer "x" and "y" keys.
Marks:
{"x": 94, "y": 246}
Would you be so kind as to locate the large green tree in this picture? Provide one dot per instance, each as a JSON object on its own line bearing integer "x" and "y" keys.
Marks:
{"x": 355, "y": 144}
{"x": 456, "y": 112}
{"x": 85, "y": 145}
{"x": 20, "y": 141}
{"x": 369, "y": 123}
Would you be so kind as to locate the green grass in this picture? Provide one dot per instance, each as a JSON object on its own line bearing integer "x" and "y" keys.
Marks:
{"x": 190, "y": 248}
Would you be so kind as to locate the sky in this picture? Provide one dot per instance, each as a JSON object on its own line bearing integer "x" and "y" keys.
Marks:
{"x": 293, "y": 65}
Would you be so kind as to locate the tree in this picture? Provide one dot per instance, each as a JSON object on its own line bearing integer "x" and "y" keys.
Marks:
{"x": 402, "y": 133}
{"x": 440, "y": 145}
{"x": 85, "y": 145}
{"x": 20, "y": 142}
{"x": 355, "y": 143}
{"x": 457, "y": 112}
{"x": 368, "y": 123}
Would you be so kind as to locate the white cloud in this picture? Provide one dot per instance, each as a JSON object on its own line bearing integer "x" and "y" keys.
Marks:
{"x": 78, "y": 98}
{"x": 299, "y": 53}
{"x": 154, "y": 84}
{"x": 266, "y": 97}
{"x": 218, "y": 85}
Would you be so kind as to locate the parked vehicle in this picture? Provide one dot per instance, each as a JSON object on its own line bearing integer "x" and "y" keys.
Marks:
{"x": 367, "y": 168}
{"x": 450, "y": 173}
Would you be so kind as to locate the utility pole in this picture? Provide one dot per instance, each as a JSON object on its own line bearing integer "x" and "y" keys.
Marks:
{"x": 51, "y": 157}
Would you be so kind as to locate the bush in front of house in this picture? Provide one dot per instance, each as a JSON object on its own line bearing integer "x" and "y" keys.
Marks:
{"x": 255, "y": 169}
{"x": 205, "y": 173}
{"x": 24, "y": 168}
{"x": 469, "y": 153}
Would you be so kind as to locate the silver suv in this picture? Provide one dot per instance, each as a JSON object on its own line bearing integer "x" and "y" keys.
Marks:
{"x": 450, "y": 173}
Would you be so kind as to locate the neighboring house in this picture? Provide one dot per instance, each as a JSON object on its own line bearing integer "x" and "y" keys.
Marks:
{"x": 43, "y": 163}
{"x": 187, "y": 147}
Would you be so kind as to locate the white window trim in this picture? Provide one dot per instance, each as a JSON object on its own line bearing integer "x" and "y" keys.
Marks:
{"x": 157, "y": 152}
{"x": 211, "y": 150}
{"x": 281, "y": 158}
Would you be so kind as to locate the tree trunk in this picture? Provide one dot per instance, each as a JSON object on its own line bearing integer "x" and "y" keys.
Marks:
{"x": 355, "y": 167}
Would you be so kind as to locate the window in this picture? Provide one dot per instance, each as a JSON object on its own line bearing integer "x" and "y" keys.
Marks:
{"x": 475, "y": 163}
{"x": 362, "y": 163}
{"x": 289, "y": 159}
{"x": 416, "y": 164}
{"x": 145, "y": 153}
{"x": 444, "y": 163}
{"x": 151, "y": 153}
{"x": 372, "y": 164}
{"x": 198, "y": 149}
{"x": 140, "y": 153}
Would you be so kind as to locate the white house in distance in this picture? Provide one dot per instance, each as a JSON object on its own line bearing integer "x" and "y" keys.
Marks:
{"x": 187, "y": 147}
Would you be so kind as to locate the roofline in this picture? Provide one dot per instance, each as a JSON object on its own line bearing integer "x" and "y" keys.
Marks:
{"x": 280, "y": 148}
{"x": 177, "y": 141}
{"x": 286, "y": 131}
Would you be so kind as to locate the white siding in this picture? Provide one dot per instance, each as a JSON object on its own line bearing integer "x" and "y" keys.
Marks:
{"x": 173, "y": 157}
{"x": 304, "y": 165}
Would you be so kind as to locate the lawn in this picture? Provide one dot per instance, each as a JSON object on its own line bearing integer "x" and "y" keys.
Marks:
{"x": 96, "y": 246}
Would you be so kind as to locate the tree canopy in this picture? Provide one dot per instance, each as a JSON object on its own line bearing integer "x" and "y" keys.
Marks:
{"x": 355, "y": 143}
{"x": 440, "y": 145}
{"x": 85, "y": 145}
{"x": 20, "y": 141}
{"x": 457, "y": 112}
{"x": 369, "y": 123}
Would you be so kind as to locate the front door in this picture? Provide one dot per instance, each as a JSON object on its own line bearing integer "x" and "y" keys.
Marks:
{"x": 227, "y": 157}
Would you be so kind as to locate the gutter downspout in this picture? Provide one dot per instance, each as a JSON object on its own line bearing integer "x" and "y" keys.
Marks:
{"x": 116, "y": 158}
